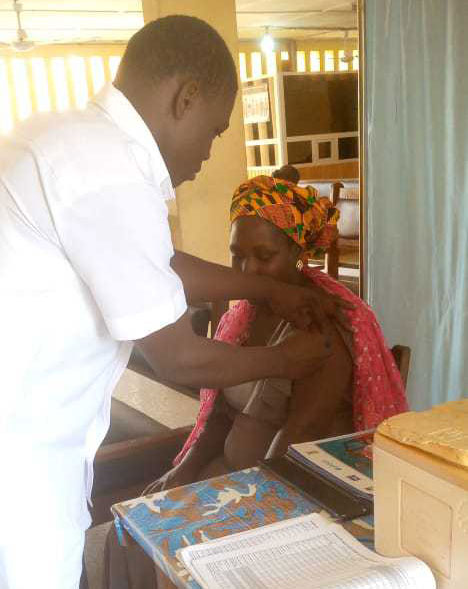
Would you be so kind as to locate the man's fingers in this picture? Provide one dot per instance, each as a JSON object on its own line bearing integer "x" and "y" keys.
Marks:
{"x": 340, "y": 302}
{"x": 337, "y": 310}
{"x": 308, "y": 316}
{"x": 323, "y": 324}
{"x": 319, "y": 316}
{"x": 304, "y": 352}
{"x": 306, "y": 306}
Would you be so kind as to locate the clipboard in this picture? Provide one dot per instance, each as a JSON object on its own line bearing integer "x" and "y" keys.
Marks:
{"x": 337, "y": 501}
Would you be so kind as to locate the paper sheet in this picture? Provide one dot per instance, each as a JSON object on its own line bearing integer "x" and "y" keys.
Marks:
{"x": 306, "y": 552}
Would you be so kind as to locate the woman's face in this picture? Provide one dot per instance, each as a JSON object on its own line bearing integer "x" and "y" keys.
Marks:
{"x": 258, "y": 247}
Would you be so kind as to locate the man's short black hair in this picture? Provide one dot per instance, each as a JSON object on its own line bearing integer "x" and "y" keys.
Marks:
{"x": 180, "y": 45}
{"x": 287, "y": 172}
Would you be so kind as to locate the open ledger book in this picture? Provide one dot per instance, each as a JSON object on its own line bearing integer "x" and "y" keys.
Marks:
{"x": 307, "y": 552}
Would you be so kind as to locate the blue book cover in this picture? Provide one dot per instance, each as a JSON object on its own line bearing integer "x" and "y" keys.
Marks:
{"x": 164, "y": 522}
{"x": 345, "y": 460}
{"x": 167, "y": 521}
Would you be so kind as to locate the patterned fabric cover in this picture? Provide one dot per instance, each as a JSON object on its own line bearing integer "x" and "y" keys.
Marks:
{"x": 167, "y": 521}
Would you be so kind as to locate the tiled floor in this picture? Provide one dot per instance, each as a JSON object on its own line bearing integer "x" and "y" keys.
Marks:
{"x": 162, "y": 404}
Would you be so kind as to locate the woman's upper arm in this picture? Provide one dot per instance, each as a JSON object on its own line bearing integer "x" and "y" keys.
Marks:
{"x": 320, "y": 405}
{"x": 314, "y": 403}
{"x": 310, "y": 416}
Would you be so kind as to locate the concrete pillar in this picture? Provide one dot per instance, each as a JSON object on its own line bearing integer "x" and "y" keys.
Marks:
{"x": 200, "y": 220}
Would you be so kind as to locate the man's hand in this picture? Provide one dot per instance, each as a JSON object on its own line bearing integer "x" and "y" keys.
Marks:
{"x": 179, "y": 356}
{"x": 302, "y": 353}
{"x": 303, "y": 306}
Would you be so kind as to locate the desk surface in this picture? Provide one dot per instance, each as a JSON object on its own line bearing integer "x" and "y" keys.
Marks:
{"x": 165, "y": 522}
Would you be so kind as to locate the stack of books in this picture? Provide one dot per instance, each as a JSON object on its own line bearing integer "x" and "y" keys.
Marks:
{"x": 311, "y": 551}
{"x": 334, "y": 472}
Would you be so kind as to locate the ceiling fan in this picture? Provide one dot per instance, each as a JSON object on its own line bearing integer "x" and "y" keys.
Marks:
{"x": 348, "y": 56}
{"x": 24, "y": 43}
{"x": 21, "y": 43}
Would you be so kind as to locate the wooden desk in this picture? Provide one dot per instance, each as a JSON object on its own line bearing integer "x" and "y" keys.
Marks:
{"x": 162, "y": 523}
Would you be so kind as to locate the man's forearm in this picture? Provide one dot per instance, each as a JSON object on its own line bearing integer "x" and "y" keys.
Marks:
{"x": 180, "y": 356}
{"x": 206, "y": 281}
{"x": 301, "y": 305}
{"x": 211, "y": 364}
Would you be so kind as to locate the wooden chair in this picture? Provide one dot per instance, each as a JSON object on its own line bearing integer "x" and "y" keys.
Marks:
{"x": 402, "y": 356}
{"x": 348, "y": 228}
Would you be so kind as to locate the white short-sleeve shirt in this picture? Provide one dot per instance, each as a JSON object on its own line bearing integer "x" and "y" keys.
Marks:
{"x": 85, "y": 248}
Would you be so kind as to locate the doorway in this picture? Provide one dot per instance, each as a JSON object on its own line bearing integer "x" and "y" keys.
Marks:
{"x": 299, "y": 70}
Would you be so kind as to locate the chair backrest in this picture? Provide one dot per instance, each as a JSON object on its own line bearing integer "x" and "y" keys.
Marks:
{"x": 402, "y": 356}
{"x": 332, "y": 256}
{"x": 348, "y": 205}
{"x": 348, "y": 223}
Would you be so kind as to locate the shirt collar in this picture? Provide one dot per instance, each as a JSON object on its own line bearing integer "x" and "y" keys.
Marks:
{"x": 124, "y": 115}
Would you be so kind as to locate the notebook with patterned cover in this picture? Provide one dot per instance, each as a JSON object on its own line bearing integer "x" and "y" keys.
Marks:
{"x": 167, "y": 521}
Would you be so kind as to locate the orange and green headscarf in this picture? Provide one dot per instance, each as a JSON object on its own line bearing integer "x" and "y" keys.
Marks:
{"x": 304, "y": 216}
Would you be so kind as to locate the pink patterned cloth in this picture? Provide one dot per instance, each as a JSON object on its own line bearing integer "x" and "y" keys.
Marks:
{"x": 378, "y": 390}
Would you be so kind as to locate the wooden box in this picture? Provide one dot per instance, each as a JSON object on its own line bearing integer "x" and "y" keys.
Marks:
{"x": 421, "y": 508}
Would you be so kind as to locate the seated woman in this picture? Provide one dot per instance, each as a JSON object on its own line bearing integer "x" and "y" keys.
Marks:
{"x": 275, "y": 226}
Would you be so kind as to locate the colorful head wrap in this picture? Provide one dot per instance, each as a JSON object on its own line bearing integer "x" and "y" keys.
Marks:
{"x": 305, "y": 217}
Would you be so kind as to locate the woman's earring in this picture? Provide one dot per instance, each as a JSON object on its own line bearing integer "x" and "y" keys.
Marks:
{"x": 299, "y": 265}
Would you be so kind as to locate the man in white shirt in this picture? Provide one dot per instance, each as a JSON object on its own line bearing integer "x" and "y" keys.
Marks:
{"x": 85, "y": 271}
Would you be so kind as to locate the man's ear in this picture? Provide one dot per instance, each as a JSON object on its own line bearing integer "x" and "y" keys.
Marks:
{"x": 186, "y": 98}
